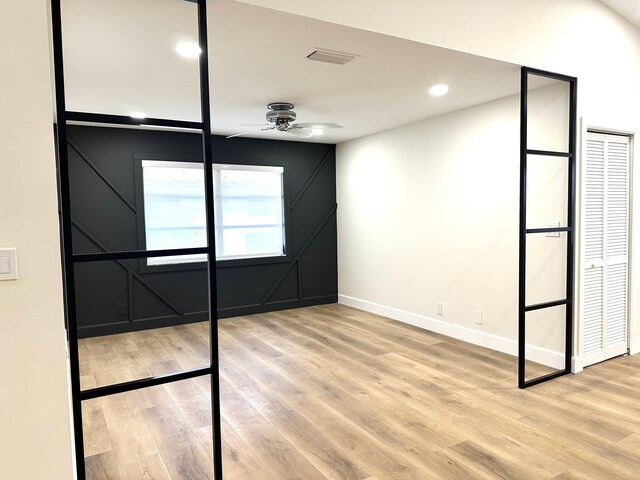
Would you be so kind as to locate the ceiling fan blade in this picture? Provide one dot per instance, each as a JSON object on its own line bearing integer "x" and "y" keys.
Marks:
{"x": 239, "y": 134}
{"x": 318, "y": 125}
{"x": 299, "y": 132}
{"x": 255, "y": 124}
{"x": 270, "y": 127}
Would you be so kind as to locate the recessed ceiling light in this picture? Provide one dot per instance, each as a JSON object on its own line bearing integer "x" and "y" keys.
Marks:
{"x": 439, "y": 90}
{"x": 188, "y": 49}
{"x": 317, "y": 131}
{"x": 138, "y": 115}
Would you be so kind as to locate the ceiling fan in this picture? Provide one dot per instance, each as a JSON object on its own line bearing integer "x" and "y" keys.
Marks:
{"x": 281, "y": 117}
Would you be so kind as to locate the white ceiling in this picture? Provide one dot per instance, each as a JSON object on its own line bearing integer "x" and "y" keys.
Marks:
{"x": 119, "y": 58}
{"x": 629, "y": 9}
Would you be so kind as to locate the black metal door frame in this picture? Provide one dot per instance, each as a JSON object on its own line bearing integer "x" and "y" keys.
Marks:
{"x": 570, "y": 155}
{"x": 63, "y": 116}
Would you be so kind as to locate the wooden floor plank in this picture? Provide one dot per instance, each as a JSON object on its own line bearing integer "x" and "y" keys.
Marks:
{"x": 333, "y": 393}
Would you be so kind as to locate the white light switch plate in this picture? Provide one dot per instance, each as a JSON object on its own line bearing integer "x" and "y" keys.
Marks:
{"x": 8, "y": 264}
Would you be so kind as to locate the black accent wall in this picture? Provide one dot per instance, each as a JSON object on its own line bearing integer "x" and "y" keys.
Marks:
{"x": 122, "y": 296}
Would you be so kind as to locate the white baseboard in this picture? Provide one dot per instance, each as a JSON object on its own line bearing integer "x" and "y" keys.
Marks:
{"x": 494, "y": 342}
{"x": 576, "y": 365}
{"x": 634, "y": 348}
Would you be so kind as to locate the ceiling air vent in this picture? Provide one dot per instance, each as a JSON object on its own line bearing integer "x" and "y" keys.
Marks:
{"x": 327, "y": 56}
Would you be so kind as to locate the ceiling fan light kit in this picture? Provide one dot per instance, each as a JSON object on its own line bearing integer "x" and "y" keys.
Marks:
{"x": 281, "y": 115}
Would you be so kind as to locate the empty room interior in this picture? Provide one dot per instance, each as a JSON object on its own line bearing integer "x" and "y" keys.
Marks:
{"x": 320, "y": 240}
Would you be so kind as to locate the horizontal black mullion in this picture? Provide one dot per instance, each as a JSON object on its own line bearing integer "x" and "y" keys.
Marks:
{"x": 549, "y": 230}
{"x": 126, "y": 120}
{"x": 544, "y": 378}
{"x": 553, "y": 75}
{"x": 539, "y": 306}
{"x": 143, "y": 383}
{"x": 549, "y": 153}
{"x": 133, "y": 254}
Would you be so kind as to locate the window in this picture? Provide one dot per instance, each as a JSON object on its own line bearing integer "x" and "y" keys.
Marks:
{"x": 249, "y": 213}
{"x": 174, "y": 213}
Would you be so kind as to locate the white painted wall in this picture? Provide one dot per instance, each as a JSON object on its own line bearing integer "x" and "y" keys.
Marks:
{"x": 428, "y": 213}
{"x": 578, "y": 37}
{"x": 34, "y": 401}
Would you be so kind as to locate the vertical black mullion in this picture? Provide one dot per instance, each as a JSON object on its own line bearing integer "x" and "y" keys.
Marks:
{"x": 67, "y": 247}
{"x": 573, "y": 102}
{"x": 211, "y": 237}
{"x": 523, "y": 228}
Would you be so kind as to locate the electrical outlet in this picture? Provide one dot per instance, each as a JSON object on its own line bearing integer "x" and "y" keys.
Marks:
{"x": 121, "y": 310}
{"x": 439, "y": 309}
{"x": 478, "y": 317}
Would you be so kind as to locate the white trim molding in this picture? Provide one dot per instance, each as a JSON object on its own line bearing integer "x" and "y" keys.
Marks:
{"x": 494, "y": 342}
{"x": 576, "y": 365}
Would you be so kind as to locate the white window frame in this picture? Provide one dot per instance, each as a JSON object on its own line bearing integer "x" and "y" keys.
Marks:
{"x": 199, "y": 258}
{"x": 217, "y": 188}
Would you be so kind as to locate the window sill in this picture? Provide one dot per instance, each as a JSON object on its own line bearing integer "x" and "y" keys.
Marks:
{"x": 231, "y": 262}
{"x": 241, "y": 262}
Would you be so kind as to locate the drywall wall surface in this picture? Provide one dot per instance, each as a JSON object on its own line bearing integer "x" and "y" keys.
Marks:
{"x": 429, "y": 213}
{"x": 583, "y": 38}
{"x": 34, "y": 404}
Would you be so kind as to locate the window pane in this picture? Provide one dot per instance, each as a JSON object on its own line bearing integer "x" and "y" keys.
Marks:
{"x": 132, "y": 326}
{"x": 249, "y": 211}
{"x": 252, "y": 183}
{"x": 161, "y": 433}
{"x": 119, "y": 57}
{"x": 174, "y": 209}
{"x": 547, "y": 114}
{"x": 545, "y": 334}
{"x": 546, "y": 267}
{"x": 249, "y": 215}
{"x": 547, "y": 184}
{"x": 252, "y": 241}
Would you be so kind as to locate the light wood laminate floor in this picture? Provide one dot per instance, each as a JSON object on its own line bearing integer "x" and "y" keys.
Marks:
{"x": 334, "y": 393}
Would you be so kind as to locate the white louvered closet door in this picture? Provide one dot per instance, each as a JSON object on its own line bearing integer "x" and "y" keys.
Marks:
{"x": 606, "y": 219}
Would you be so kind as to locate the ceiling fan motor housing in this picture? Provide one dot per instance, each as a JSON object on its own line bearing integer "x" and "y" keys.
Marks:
{"x": 281, "y": 114}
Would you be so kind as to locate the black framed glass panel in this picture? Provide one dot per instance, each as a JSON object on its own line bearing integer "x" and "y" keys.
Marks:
{"x": 115, "y": 64}
{"x": 547, "y": 113}
{"x": 547, "y": 183}
{"x": 546, "y": 267}
{"x": 159, "y": 432}
{"x": 548, "y": 105}
{"x": 546, "y": 339}
{"x": 86, "y": 98}
{"x": 133, "y": 326}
